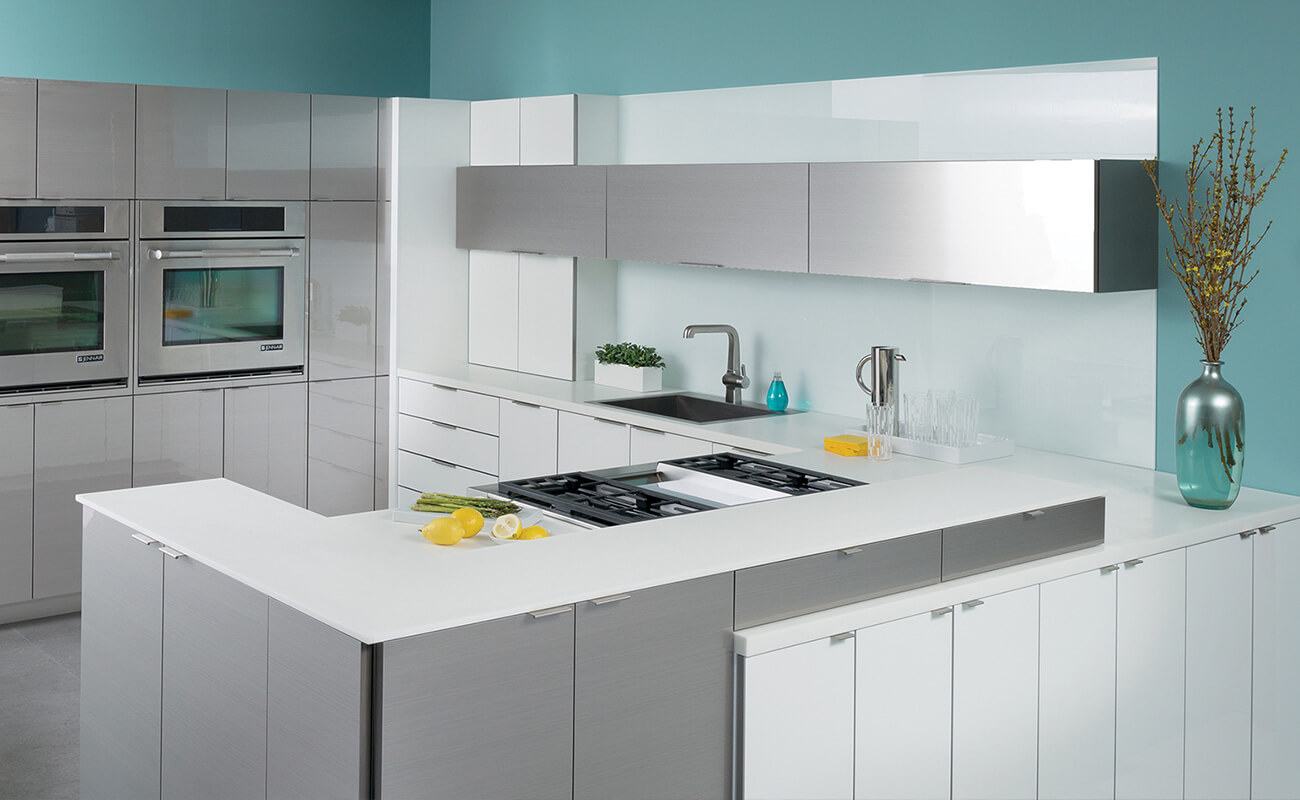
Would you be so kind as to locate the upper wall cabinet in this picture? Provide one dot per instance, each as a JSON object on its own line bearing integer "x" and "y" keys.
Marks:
{"x": 541, "y": 210}
{"x": 732, "y": 215}
{"x": 18, "y": 157}
{"x": 85, "y": 143}
{"x": 1083, "y": 226}
{"x": 180, "y": 143}
{"x": 344, "y": 147}
{"x": 268, "y": 145}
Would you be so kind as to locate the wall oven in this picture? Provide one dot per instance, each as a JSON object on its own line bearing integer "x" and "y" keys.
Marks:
{"x": 220, "y": 290}
{"x": 65, "y": 294}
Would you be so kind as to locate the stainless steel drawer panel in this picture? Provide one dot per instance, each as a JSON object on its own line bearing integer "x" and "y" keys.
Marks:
{"x": 802, "y": 585}
{"x": 1017, "y": 538}
{"x": 551, "y": 210}
{"x": 460, "y": 446}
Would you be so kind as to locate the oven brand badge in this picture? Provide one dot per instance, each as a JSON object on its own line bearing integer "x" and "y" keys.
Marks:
{"x": 89, "y": 359}
{"x": 276, "y": 346}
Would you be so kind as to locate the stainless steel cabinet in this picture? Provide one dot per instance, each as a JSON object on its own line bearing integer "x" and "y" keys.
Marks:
{"x": 178, "y": 437}
{"x": 1017, "y": 538}
{"x": 652, "y": 693}
{"x": 18, "y": 132}
{"x": 732, "y": 215}
{"x": 342, "y": 240}
{"x": 214, "y": 684}
{"x": 483, "y": 710}
{"x": 121, "y": 663}
{"x": 344, "y": 147}
{"x": 85, "y": 144}
{"x": 16, "y": 436}
{"x": 268, "y": 145}
{"x": 265, "y": 437}
{"x": 81, "y": 446}
{"x": 340, "y": 446}
{"x": 180, "y": 151}
{"x": 552, "y": 210}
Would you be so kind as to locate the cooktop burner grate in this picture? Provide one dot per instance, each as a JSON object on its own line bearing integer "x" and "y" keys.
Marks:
{"x": 757, "y": 472}
{"x": 597, "y": 500}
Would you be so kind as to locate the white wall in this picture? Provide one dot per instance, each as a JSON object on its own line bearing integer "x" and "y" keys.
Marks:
{"x": 1059, "y": 371}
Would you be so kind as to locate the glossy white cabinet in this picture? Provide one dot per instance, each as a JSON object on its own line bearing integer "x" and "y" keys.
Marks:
{"x": 180, "y": 144}
{"x": 1150, "y": 654}
{"x": 417, "y": 473}
{"x": 649, "y": 445}
{"x": 344, "y": 147}
{"x": 494, "y": 305}
{"x": 547, "y": 130}
{"x": 591, "y": 443}
{"x": 458, "y": 407}
{"x": 1275, "y": 721}
{"x": 16, "y": 437}
{"x": 340, "y": 446}
{"x": 1076, "y": 690}
{"x": 341, "y": 341}
{"x": 529, "y": 440}
{"x": 995, "y": 696}
{"x": 903, "y": 728}
{"x": 268, "y": 145}
{"x": 85, "y": 145}
{"x": 494, "y": 132}
{"x": 178, "y": 436}
{"x": 266, "y": 439}
{"x": 460, "y": 446}
{"x": 18, "y": 132}
{"x": 546, "y": 315}
{"x": 797, "y": 722}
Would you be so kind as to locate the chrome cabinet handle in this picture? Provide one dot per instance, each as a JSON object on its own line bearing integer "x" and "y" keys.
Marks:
{"x": 165, "y": 550}
{"x": 1248, "y": 534}
{"x": 1034, "y": 514}
{"x": 1110, "y": 568}
{"x": 525, "y": 405}
{"x": 28, "y": 258}
{"x": 649, "y": 430}
{"x": 608, "y": 421}
{"x": 528, "y": 252}
{"x": 848, "y": 551}
{"x": 442, "y": 463}
{"x": 443, "y": 425}
{"x": 550, "y": 612}
{"x": 283, "y": 252}
{"x": 1267, "y": 528}
{"x": 140, "y": 537}
{"x": 1132, "y": 562}
{"x": 613, "y": 598}
{"x": 444, "y": 388}
{"x": 972, "y": 603}
{"x": 843, "y": 637}
{"x": 939, "y": 612}
{"x": 698, "y": 264}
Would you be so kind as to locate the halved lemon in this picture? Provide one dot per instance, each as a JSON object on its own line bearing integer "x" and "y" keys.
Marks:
{"x": 532, "y": 532}
{"x": 506, "y": 526}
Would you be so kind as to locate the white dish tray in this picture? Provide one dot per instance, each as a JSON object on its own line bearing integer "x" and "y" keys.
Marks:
{"x": 985, "y": 448}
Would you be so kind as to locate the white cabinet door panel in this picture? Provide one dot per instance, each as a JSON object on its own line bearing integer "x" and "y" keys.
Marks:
{"x": 546, "y": 315}
{"x": 903, "y": 738}
{"x": 472, "y": 410}
{"x": 591, "y": 443}
{"x": 461, "y": 446}
{"x": 420, "y": 474}
{"x": 529, "y": 438}
{"x": 494, "y": 309}
{"x": 798, "y": 722}
{"x": 1276, "y": 720}
{"x": 547, "y": 133}
{"x": 650, "y": 445}
{"x": 494, "y": 132}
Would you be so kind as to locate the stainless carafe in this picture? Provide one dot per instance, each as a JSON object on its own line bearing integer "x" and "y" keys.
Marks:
{"x": 884, "y": 378}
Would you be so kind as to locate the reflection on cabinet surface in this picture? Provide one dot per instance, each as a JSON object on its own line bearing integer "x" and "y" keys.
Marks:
{"x": 344, "y": 147}
{"x": 268, "y": 147}
{"x": 343, "y": 243}
{"x": 18, "y": 158}
{"x": 266, "y": 439}
{"x": 178, "y": 436}
{"x": 85, "y": 143}
{"x": 16, "y": 438}
{"x": 180, "y": 145}
{"x": 340, "y": 446}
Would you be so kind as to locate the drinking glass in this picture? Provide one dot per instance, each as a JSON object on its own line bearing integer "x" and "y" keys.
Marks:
{"x": 880, "y": 432}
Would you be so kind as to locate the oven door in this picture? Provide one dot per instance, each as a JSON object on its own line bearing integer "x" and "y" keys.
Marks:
{"x": 220, "y": 308}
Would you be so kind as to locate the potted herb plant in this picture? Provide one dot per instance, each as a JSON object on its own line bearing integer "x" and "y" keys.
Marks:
{"x": 629, "y": 366}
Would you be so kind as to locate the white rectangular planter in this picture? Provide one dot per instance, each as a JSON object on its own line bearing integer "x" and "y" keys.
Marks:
{"x": 636, "y": 379}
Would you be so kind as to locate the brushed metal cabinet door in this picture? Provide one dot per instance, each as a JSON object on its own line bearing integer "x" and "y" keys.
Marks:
{"x": 177, "y": 437}
{"x": 1017, "y": 538}
{"x": 653, "y": 693}
{"x": 81, "y": 446}
{"x": 18, "y": 136}
{"x": 317, "y": 710}
{"x": 344, "y": 147}
{"x": 480, "y": 711}
{"x": 85, "y": 145}
{"x": 214, "y": 684}
{"x": 732, "y": 215}
{"x": 340, "y": 446}
{"x": 343, "y": 242}
{"x": 802, "y": 585}
{"x": 180, "y": 143}
{"x": 266, "y": 439}
{"x": 121, "y": 663}
{"x": 548, "y": 210}
{"x": 16, "y": 444}
{"x": 268, "y": 145}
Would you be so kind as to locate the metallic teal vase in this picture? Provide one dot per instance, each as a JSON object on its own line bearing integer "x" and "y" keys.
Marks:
{"x": 1211, "y": 443}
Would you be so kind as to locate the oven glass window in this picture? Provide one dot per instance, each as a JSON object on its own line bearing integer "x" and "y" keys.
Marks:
{"x": 234, "y": 304}
{"x": 51, "y": 312}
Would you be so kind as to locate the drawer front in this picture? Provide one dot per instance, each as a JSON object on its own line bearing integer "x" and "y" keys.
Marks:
{"x": 1017, "y": 538}
{"x": 460, "y": 446}
{"x": 422, "y": 474}
{"x": 457, "y": 407}
{"x": 802, "y": 585}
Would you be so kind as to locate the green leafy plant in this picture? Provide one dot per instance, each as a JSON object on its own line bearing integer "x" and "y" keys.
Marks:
{"x": 632, "y": 355}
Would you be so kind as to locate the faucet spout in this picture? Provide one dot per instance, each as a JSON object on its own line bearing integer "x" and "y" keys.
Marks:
{"x": 734, "y": 379}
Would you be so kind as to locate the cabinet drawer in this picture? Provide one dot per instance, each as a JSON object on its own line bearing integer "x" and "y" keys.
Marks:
{"x": 460, "y": 446}
{"x": 457, "y": 407}
{"x": 802, "y": 585}
{"x": 423, "y": 474}
{"x": 1016, "y": 538}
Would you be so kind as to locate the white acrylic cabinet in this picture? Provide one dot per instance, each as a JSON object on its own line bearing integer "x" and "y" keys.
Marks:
{"x": 494, "y": 305}
{"x": 340, "y": 446}
{"x": 342, "y": 239}
{"x": 418, "y": 473}
{"x": 268, "y": 145}
{"x": 546, "y": 298}
{"x": 797, "y": 722}
{"x": 494, "y": 132}
{"x": 178, "y": 436}
{"x": 647, "y": 444}
{"x": 180, "y": 144}
{"x": 344, "y": 147}
{"x": 460, "y": 446}
{"x": 591, "y": 443}
{"x": 85, "y": 145}
{"x": 16, "y": 444}
{"x": 1275, "y": 720}
{"x": 266, "y": 439}
{"x": 529, "y": 439}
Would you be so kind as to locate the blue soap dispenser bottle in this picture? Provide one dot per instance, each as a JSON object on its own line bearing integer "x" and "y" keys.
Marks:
{"x": 777, "y": 399}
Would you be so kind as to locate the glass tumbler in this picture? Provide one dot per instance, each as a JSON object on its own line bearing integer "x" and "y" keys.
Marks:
{"x": 880, "y": 432}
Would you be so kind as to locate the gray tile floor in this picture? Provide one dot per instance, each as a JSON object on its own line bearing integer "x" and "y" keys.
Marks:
{"x": 40, "y": 725}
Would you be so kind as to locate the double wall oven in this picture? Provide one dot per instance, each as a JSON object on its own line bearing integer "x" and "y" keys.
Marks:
{"x": 65, "y": 294}
{"x": 220, "y": 289}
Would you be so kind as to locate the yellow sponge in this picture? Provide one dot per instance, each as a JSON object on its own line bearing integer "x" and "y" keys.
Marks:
{"x": 847, "y": 444}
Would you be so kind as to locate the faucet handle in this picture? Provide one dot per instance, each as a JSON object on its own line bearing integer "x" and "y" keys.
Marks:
{"x": 744, "y": 378}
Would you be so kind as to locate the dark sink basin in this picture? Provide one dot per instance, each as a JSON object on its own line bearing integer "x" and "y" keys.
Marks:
{"x": 689, "y": 407}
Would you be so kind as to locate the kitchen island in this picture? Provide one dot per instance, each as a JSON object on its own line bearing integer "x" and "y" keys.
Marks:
{"x": 348, "y": 657}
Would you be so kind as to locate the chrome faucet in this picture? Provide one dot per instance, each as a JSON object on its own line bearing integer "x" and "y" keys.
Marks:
{"x": 735, "y": 378}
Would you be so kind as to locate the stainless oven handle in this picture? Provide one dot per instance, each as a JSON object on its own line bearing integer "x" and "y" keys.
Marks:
{"x": 286, "y": 252}
{"x": 15, "y": 258}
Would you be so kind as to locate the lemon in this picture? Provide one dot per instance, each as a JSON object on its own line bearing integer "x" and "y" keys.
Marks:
{"x": 471, "y": 519}
{"x": 506, "y": 526}
{"x": 532, "y": 532}
{"x": 444, "y": 530}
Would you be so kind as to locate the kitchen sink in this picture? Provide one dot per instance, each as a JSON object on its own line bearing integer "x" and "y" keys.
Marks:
{"x": 690, "y": 407}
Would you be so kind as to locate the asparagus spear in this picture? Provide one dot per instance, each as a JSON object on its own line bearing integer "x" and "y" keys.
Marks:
{"x": 487, "y": 506}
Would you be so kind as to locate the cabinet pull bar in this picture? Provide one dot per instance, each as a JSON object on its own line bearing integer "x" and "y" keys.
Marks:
{"x": 17, "y": 258}
{"x": 698, "y": 264}
{"x": 613, "y": 598}
{"x": 1034, "y": 514}
{"x": 848, "y": 551}
{"x": 525, "y": 405}
{"x": 444, "y": 388}
{"x": 443, "y": 425}
{"x": 649, "y": 430}
{"x": 972, "y": 603}
{"x": 442, "y": 463}
{"x": 140, "y": 537}
{"x": 1132, "y": 562}
{"x": 1110, "y": 568}
{"x": 843, "y": 637}
{"x": 550, "y": 612}
{"x": 170, "y": 552}
{"x": 528, "y": 252}
{"x": 1249, "y": 533}
{"x": 608, "y": 422}
{"x": 283, "y": 252}
{"x": 1267, "y": 528}
{"x": 939, "y": 612}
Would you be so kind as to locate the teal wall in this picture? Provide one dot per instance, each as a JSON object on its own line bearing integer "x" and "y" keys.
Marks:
{"x": 1210, "y": 53}
{"x": 378, "y": 48}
